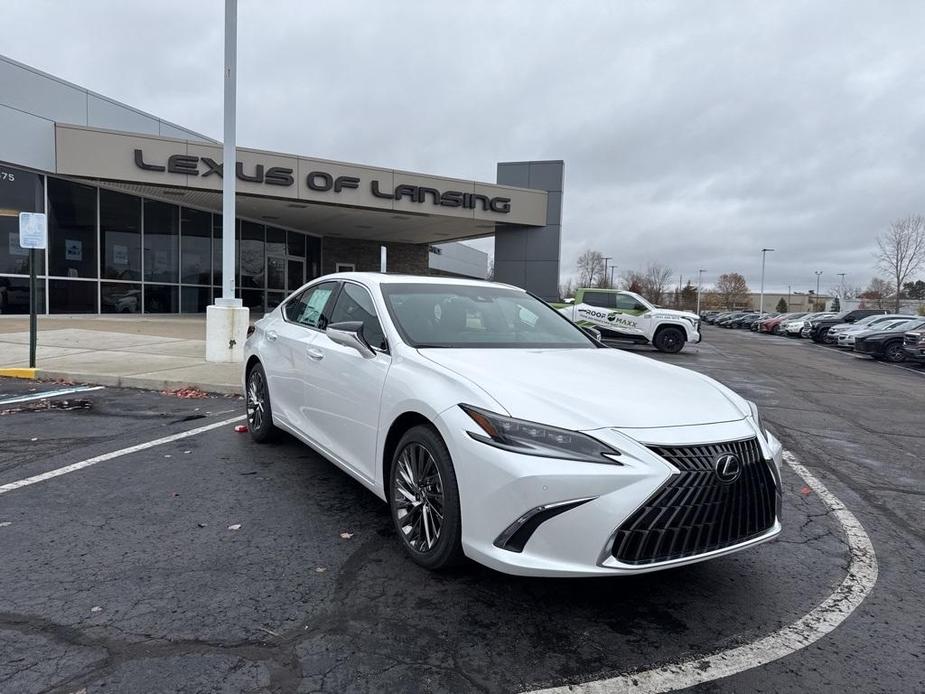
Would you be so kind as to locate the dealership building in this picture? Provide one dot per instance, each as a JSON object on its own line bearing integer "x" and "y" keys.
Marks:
{"x": 134, "y": 211}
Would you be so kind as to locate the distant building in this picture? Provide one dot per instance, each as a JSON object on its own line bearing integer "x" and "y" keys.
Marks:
{"x": 796, "y": 301}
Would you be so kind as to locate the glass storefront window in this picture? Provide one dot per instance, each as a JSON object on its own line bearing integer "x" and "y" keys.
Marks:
{"x": 116, "y": 297}
{"x": 251, "y": 252}
{"x": 159, "y": 298}
{"x": 120, "y": 229}
{"x": 71, "y": 230}
{"x": 70, "y": 296}
{"x": 296, "y": 243}
{"x": 14, "y": 294}
{"x": 313, "y": 257}
{"x": 253, "y": 299}
{"x": 195, "y": 246}
{"x": 195, "y": 299}
{"x": 162, "y": 236}
{"x": 20, "y": 191}
{"x": 274, "y": 299}
{"x": 217, "y": 250}
{"x": 296, "y": 274}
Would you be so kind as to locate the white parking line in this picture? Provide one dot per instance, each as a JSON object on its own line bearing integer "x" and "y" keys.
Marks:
{"x": 49, "y": 394}
{"x": 115, "y": 454}
{"x": 835, "y": 609}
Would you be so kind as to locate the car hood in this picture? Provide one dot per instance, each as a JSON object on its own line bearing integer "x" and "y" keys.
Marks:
{"x": 660, "y": 313}
{"x": 584, "y": 389}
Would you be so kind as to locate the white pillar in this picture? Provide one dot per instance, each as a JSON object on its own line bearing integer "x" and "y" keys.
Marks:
{"x": 227, "y": 319}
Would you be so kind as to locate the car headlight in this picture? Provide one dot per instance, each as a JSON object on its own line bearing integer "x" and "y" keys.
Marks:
{"x": 756, "y": 415}
{"x": 530, "y": 438}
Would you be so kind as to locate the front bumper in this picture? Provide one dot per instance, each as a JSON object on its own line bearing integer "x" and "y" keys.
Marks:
{"x": 915, "y": 352}
{"x": 498, "y": 488}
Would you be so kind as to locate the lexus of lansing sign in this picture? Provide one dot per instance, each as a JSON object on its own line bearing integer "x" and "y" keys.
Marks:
{"x": 322, "y": 181}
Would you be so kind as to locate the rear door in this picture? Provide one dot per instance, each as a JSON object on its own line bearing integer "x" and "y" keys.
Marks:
{"x": 303, "y": 319}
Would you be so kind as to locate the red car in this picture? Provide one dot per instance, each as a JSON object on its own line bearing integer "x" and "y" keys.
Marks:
{"x": 771, "y": 325}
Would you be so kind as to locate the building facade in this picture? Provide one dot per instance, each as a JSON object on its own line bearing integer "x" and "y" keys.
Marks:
{"x": 135, "y": 224}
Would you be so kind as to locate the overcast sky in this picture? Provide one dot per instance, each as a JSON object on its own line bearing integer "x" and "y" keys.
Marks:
{"x": 694, "y": 133}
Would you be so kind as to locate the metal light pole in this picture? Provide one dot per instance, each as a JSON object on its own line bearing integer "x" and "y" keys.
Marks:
{"x": 699, "y": 286}
{"x": 605, "y": 267}
{"x": 227, "y": 319}
{"x": 818, "y": 274}
{"x": 764, "y": 252}
{"x": 789, "y": 292}
{"x": 842, "y": 275}
{"x": 612, "y": 268}
{"x": 229, "y": 159}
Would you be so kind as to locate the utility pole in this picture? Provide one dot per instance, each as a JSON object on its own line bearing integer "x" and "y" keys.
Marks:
{"x": 612, "y": 268}
{"x": 699, "y": 287}
{"x": 764, "y": 252}
{"x": 605, "y": 267}
{"x": 788, "y": 299}
{"x": 818, "y": 274}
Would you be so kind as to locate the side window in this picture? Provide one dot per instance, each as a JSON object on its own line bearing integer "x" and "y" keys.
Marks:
{"x": 307, "y": 308}
{"x": 600, "y": 299}
{"x": 355, "y": 304}
{"x": 628, "y": 303}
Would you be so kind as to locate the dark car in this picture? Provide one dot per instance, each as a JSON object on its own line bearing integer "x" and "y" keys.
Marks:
{"x": 820, "y": 327}
{"x": 726, "y": 321}
{"x": 751, "y": 322}
{"x": 914, "y": 345}
{"x": 886, "y": 344}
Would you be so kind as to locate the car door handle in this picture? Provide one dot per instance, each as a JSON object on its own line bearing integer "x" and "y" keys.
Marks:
{"x": 272, "y": 335}
{"x": 314, "y": 353}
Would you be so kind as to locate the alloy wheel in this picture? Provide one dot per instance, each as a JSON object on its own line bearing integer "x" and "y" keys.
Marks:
{"x": 895, "y": 354}
{"x": 256, "y": 399}
{"x": 417, "y": 492}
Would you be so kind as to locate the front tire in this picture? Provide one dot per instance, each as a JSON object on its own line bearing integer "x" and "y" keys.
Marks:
{"x": 257, "y": 405}
{"x": 424, "y": 500}
{"x": 894, "y": 353}
{"x": 669, "y": 340}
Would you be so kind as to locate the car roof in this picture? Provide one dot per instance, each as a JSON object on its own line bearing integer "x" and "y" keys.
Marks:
{"x": 380, "y": 278}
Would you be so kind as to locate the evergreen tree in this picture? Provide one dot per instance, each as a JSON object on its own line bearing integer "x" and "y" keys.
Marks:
{"x": 781, "y": 305}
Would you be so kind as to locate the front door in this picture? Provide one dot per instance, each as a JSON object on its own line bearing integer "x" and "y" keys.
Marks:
{"x": 345, "y": 388}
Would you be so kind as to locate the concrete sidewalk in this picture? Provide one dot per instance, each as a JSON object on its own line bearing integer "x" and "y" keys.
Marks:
{"x": 151, "y": 352}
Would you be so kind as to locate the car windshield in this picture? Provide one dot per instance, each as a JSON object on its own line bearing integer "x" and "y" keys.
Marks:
{"x": 459, "y": 315}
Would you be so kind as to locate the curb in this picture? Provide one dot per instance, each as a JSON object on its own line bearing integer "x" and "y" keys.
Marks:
{"x": 136, "y": 382}
{"x": 19, "y": 373}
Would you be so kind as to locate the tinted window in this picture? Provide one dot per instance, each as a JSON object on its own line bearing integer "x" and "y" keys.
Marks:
{"x": 601, "y": 299}
{"x": 71, "y": 234}
{"x": 459, "y": 315}
{"x": 355, "y": 304}
{"x": 162, "y": 247}
{"x": 20, "y": 191}
{"x": 195, "y": 247}
{"x": 627, "y": 303}
{"x": 307, "y": 308}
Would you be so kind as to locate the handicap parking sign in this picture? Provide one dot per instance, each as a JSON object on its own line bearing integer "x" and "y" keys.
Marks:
{"x": 33, "y": 230}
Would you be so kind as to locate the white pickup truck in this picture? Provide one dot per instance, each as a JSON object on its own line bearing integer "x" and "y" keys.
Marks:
{"x": 622, "y": 315}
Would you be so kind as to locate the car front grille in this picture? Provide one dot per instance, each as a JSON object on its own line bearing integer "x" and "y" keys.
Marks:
{"x": 911, "y": 339}
{"x": 694, "y": 512}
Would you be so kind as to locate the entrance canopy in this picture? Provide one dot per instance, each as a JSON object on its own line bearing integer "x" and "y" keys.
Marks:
{"x": 314, "y": 195}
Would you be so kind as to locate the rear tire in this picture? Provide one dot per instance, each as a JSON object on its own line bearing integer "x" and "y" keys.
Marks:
{"x": 424, "y": 500}
{"x": 669, "y": 340}
{"x": 257, "y": 406}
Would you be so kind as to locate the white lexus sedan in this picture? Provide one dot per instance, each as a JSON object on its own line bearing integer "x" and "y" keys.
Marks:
{"x": 497, "y": 430}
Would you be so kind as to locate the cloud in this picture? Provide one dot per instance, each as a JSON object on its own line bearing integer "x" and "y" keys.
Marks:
{"x": 694, "y": 134}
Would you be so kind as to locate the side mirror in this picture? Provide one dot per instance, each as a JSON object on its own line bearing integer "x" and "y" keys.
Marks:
{"x": 350, "y": 334}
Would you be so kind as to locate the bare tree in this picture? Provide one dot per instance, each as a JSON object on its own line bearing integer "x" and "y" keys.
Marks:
{"x": 655, "y": 281}
{"x": 879, "y": 291}
{"x": 632, "y": 281}
{"x": 566, "y": 291}
{"x": 901, "y": 250}
{"x": 732, "y": 290}
{"x": 590, "y": 267}
{"x": 491, "y": 270}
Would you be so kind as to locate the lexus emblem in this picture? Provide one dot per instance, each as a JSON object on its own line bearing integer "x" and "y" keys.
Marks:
{"x": 727, "y": 468}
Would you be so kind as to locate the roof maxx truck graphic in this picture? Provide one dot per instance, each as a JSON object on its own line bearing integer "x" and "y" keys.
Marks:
{"x": 621, "y": 315}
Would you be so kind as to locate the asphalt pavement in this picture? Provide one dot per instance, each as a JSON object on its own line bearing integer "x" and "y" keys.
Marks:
{"x": 209, "y": 563}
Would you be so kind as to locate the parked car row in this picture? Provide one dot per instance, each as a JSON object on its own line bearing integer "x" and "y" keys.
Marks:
{"x": 892, "y": 337}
